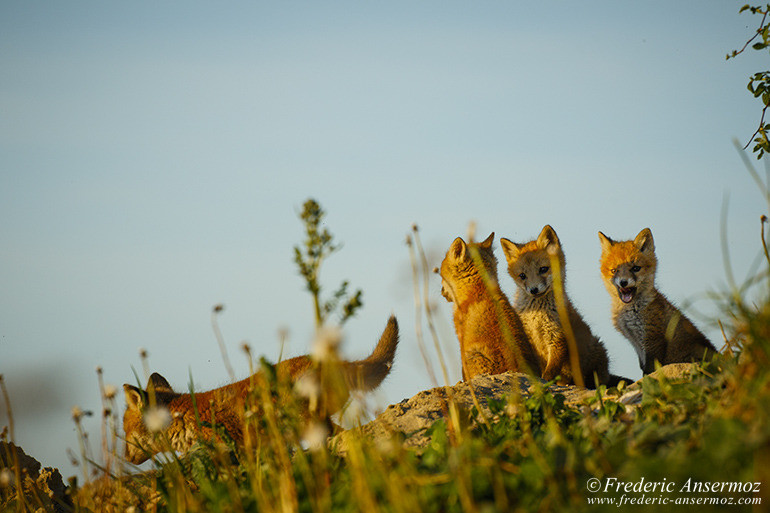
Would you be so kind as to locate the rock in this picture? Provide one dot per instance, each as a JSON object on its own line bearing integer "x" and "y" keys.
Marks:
{"x": 411, "y": 418}
{"x": 41, "y": 487}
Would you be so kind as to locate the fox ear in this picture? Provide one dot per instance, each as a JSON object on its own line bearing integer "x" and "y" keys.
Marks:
{"x": 605, "y": 241}
{"x": 511, "y": 250}
{"x": 547, "y": 237}
{"x": 159, "y": 383}
{"x": 644, "y": 241}
{"x": 134, "y": 397}
{"x": 487, "y": 243}
{"x": 457, "y": 249}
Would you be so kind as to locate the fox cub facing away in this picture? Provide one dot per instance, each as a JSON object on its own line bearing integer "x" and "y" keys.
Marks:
{"x": 656, "y": 328}
{"x": 225, "y": 407}
{"x": 529, "y": 265}
{"x": 492, "y": 338}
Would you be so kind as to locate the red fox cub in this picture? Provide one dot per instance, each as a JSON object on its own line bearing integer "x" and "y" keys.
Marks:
{"x": 226, "y": 406}
{"x": 529, "y": 265}
{"x": 656, "y": 328}
{"x": 492, "y": 339}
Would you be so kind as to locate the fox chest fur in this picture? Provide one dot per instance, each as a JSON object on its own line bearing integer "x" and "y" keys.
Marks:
{"x": 480, "y": 331}
{"x": 629, "y": 320}
{"x": 541, "y": 322}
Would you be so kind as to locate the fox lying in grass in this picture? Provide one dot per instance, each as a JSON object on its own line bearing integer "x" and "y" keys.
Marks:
{"x": 529, "y": 265}
{"x": 656, "y": 328}
{"x": 193, "y": 417}
{"x": 492, "y": 338}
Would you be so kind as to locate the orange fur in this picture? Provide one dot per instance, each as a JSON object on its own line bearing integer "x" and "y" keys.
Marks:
{"x": 226, "y": 407}
{"x": 492, "y": 338}
{"x": 657, "y": 330}
{"x": 530, "y": 266}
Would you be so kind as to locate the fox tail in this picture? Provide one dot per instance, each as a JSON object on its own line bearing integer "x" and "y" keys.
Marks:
{"x": 367, "y": 374}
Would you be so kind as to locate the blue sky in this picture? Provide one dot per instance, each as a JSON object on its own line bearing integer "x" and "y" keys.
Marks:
{"x": 155, "y": 158}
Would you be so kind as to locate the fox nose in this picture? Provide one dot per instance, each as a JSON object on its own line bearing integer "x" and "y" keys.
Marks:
{"x": 534, "y": 290}
{"x": 624, "y": 283}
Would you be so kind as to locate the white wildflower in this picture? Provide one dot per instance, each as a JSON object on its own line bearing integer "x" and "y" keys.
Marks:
{"x": 157, "y": 419}
{"x": 315, "y": 436}
{"x": 356, "y": 411}
{"x": 307, "y": 386}
{"x": 326, "y": 342}
{"x": 386, "y": 445}
{"x": 110, "y": 391}
{"x": 6, "y": 478}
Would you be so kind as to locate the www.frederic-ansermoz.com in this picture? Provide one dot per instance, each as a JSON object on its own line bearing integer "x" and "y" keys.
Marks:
{"x": 690, "y": 492}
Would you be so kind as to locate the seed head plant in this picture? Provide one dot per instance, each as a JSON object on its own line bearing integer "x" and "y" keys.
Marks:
{"x": 318, "y": 245}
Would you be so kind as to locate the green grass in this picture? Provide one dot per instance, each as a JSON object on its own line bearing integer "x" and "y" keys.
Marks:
{"x": 531, "y": 454}
{"x": 711, "y": 428}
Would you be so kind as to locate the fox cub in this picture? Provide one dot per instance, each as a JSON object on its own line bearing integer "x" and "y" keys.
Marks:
{"x": 656, "y": 328}
{"x": 492, "y": 338}
{"x": 191, "y": 418}
{"x": 529, "y": 265}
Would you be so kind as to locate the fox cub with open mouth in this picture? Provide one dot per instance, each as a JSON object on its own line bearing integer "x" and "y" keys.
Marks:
{"x": 657, "y": 330}
{"x": 529, "y": 264}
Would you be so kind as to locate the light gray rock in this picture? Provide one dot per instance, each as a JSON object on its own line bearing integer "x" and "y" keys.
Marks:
{"x": 412, "y": 417}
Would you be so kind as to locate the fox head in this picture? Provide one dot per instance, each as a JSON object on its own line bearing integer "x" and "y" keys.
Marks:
{"x": 529, "y": 264}
{"x": 628, "y": 267}
{"x": 146, "y": 415}
{"x": 459, "y": 264}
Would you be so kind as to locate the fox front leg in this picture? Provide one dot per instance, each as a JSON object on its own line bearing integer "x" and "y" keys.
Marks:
{"x": 477, "y": 363}
{"x": 654, "y": 350}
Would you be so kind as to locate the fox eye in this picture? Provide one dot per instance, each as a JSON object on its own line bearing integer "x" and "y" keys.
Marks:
{"x": 543, "y": 269}
{"x": 523, "y": 276}
{"x": 636, "y": 269}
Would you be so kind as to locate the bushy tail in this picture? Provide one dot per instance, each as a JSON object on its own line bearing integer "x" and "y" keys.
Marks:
{"x": 367, "y": 374}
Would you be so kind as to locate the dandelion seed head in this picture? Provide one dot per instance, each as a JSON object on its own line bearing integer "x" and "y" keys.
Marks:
{"x": 326, "y": 343}
{"x": 356, "y": 410}
{"x": 6, "y": 478}
{"x": 385, "y": 445}
{"x": 315, "y": 436}
{"x": 110, "y": 391}
{"x": 157, "y": 419}
{"x": 307, "y": 386}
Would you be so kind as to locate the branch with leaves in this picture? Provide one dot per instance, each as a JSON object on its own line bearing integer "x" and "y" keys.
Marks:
{"x": 759, "y": 83}
{"x": 317, "y": 246}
